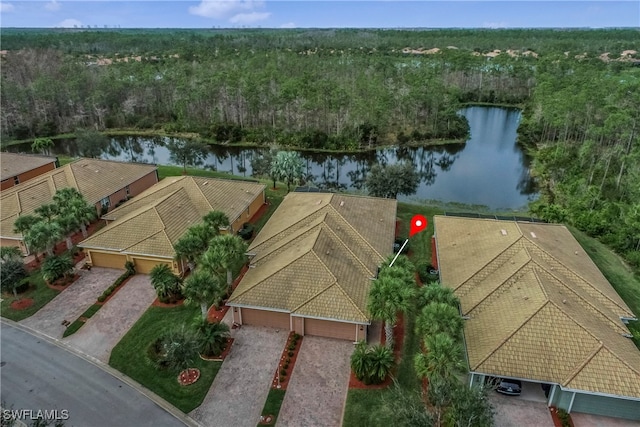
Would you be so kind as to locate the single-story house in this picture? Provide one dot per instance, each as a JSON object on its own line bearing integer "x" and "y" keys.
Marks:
{"x": 537, "y": 309}
{"x": 17, "y": 168}
{"x": 144, "y": 229}
{"x": 103, "y": 183}
{"x": 312, "y": 265}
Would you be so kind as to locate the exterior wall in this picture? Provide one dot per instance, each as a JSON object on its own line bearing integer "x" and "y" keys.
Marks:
{"x": 329, "y": 329}
{"x": 298, "y": 324}
{"x": 25, "y": 176}
{"x": 600, "y": 405}
{"x": 272, "y": 319}
{"x": 17, "y": 243}
{"x": 135, "y": 188}
{"x": 249, "y": 212}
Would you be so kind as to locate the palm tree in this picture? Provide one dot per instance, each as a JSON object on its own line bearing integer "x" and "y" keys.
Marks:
{"x": 212, "y": 337}
{"x": 437, "y": 317}
{"x": 224, "y": 253}
{"x": 193, "y": 243}
{"x": 387, "y": 297}
{"x": 47, "y": 212}
{"x": 42, "y": 144}
{"x": 43, "y": 236}
{"x": 22, "y": 224}
{"x": 10, "y": 252}
{"x": 442, "y": 358}
{"x": 381, "y": 363}
{"x": 83, "y": 212}
{"x": 434, "y": 292}
{"x": 202, "y": 287}
{"x": 68, "y": 224}
{"x": 216, "y": 220}
{"x": 165, "y": 283}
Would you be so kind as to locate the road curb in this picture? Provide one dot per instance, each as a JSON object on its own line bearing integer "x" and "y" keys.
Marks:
{"x": 182, "y": 417}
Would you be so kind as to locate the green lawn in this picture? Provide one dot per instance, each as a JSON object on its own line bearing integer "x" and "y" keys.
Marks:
{"x": 273, "y": 404}
{"x": 131, "y": 358}
{"x": 77, "y": 324}
{"x": 39, "y": 292}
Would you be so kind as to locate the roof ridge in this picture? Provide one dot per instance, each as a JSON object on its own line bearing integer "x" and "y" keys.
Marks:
{"x": 121, "y": 222}
{"x": 354, "y": 229}
{"x": 321, "y": 291}
{"x": 319, "y": 212}
{"x": 339, "y": 288}
{"x": 508, "y": 337}
{"x": 582, "y": 365}
{"x": 193, "y": 181}
{"x": 575, "y": 321}
{"x": 576, "y": 274}
{"x": 349, "y": 249}
{"x": 71, "y": 174}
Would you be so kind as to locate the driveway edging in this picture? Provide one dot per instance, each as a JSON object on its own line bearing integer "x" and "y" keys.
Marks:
{"x": 185, "y": 419}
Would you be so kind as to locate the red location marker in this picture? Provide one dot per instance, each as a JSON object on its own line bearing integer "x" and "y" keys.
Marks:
{"x": 418, "y": 224}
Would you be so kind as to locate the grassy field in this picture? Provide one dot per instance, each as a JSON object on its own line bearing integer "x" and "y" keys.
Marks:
{"x": 130, "y": 356}
{"x": 39, "y": 292}
{"x": 273, "y": 404}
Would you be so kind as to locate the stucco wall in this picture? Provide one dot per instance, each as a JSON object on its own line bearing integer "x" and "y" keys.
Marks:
{"x": 25, "y": 176}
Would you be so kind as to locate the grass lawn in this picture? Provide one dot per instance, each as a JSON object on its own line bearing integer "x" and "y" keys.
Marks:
{"x": 165, "y": 171}
{"x": 273, "y": 404}
{"x": 131, "y": 358}
{"x": 39, "y": 292}
{"x": 77, "y": 324}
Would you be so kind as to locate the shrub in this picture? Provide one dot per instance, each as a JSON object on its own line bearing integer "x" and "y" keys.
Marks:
{"x": 130, "y": 267}
{"x": 564, "y": 417}
{"x": 55, "y": 267}
{"x": 246, "y": 232}
{"x": 287, "y": 360}
{"x": 292, "y": 346}
{"x": 371, "y": 365}
{"x": 281, "y": 378}
{"x": 297, "y": 336}
{"x": 285, "y": 366}
{"x": 291, "y": 353}
{"x": 176, "y": 349}
{"x": 102, "y": 298}
{"x": 212, "y": 337}
{"x": 12, "y": 275}
{"x": 165, "y": 283}
{"x": 283, "y": 372}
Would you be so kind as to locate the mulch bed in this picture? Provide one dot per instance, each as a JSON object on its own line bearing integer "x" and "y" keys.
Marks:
{"x": 21, "y": 304}
{"x": 222, "y": 355}
{"x": 115, "y": 291}
{"x": 281, "y": 383}
{"x": 189, "y": 376}
{"x": 217, "y": 315}
{"x": 266, "y": 420}
{"x": 157, "y": 303}
{"x": 398, "y": 340}
{"x": 263, "y": 209}
{"x": 62, "y": 284}
{"x": 557, "y": 422}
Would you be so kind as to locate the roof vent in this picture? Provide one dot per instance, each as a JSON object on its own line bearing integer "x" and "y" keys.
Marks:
{"x": 503, "y": 232}
{"x": 342, "y": 203}
{"x": 205, "y": 183}
{"x": 318, "y": 202}
{"x": 564, "y": 301}
{"x": 576, "y": 252}
{"x": 534, "y": 235}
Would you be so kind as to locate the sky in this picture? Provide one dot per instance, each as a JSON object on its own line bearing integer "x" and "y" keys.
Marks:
{"x": 319, "y": 14}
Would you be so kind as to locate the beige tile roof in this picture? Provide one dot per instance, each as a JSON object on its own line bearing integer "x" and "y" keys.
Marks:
{"x": 95, "y": 179}
{"x": 153, "y": 221}
{"x": 537, "y": 306}
{"x": 12, "y": 164}
{"x": 317, "y": 254}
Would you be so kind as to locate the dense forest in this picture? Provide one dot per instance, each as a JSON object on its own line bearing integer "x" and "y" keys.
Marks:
{"x": 579, "y": 91}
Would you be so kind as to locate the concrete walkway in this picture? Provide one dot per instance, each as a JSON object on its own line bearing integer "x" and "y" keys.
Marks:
{"x": 72, "y": 302}
{"x": 106, "y": 328}
{"x": 317, "y": 390}
{"x": 240, "y": 388}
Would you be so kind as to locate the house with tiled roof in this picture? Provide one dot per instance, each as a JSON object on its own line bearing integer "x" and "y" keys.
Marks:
{"x": 103, "y": 183}
{"x": 312, "y": 265}
{"x": 18, "y": 168}
{"x": 144, "y": 229}
{"x": 537, "y": 309}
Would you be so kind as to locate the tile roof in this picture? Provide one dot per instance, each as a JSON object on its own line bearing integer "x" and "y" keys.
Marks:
{"x": 154, "y": 220}
{"x": 317, "y": 254}
{"x": 12, "y": 164}
{"x": 95, "y": 179}
{"x": 536, "y": 305}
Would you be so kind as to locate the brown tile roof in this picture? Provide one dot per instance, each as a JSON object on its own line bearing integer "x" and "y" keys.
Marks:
{"x": 537, "y": 306}
{"x": 94, "y": 178}
{"x": 153, "y": 221}
{"x": 12, "y": 164}
{"x": 317, "y": 254}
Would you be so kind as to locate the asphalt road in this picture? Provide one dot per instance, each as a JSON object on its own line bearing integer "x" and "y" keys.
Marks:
{"x": 38, "y": 375}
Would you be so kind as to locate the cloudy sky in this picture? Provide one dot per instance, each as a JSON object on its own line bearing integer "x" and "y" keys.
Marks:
{"x": 320, "y": 14}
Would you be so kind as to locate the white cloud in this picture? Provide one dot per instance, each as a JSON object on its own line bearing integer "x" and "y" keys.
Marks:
{"x": 501, "y": 24}
{"x": 223, "y": 8}
{"x": 288, "y": 25}
{"x": 53, "y": 5}
{"x": 6, "y": 7}
{"x": 70, "y": 23}
{"x": 249, "y": 18}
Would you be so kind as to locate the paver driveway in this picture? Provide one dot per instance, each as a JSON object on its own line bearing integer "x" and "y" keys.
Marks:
{"x": 72, "y": 302}
{"x": 317, "y": 390}
{"x": 514, "y": 412}
{"x": 107, "y": 327}
{"x": 588, "y": 420}
{"x": 240, "y": 389}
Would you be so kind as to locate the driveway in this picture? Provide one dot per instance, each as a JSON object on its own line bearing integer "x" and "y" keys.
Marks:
{"x": 104, "y": 330}
{"x": 72, "y": 302}
{"x": 318, "y": 386}
{"x": 586, "y": 420}
{"x": 238, "y": 393}
{"x": 511, "y": 411}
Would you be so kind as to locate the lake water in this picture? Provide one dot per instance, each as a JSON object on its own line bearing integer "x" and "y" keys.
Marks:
{"x": 490, "y": 169}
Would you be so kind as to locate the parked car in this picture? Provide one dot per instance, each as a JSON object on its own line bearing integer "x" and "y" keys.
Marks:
{"x": 509, "y": 387}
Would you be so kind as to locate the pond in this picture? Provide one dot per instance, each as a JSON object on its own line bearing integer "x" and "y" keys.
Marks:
{"x": 489, "y": 169}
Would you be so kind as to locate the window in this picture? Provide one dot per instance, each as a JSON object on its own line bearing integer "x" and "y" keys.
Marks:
{"x": 105, "y": 202}
{"x": 16, "y": 180}
{"x": 126, "y": 189}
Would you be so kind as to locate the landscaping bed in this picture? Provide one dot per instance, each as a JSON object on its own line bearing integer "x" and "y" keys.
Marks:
{"x": 38, "y": 292}
{"x": 287, "y": 361}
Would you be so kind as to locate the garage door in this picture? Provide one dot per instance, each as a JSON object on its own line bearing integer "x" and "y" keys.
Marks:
{"x": 326, "y": 328}
{"x": 144, "y": 266}
{"x": 103, "y": 259}
{"x": 273, "y": 319}
{"x": 607, "y": 406}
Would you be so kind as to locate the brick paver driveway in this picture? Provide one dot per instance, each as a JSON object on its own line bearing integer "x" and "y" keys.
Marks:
{"x": 72, "y": 302}
{"x": 318, "y": 387}
{"x": 240, "y": 389}
{"x": 107, "y": 327}
{"x": 511, "y": 411}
